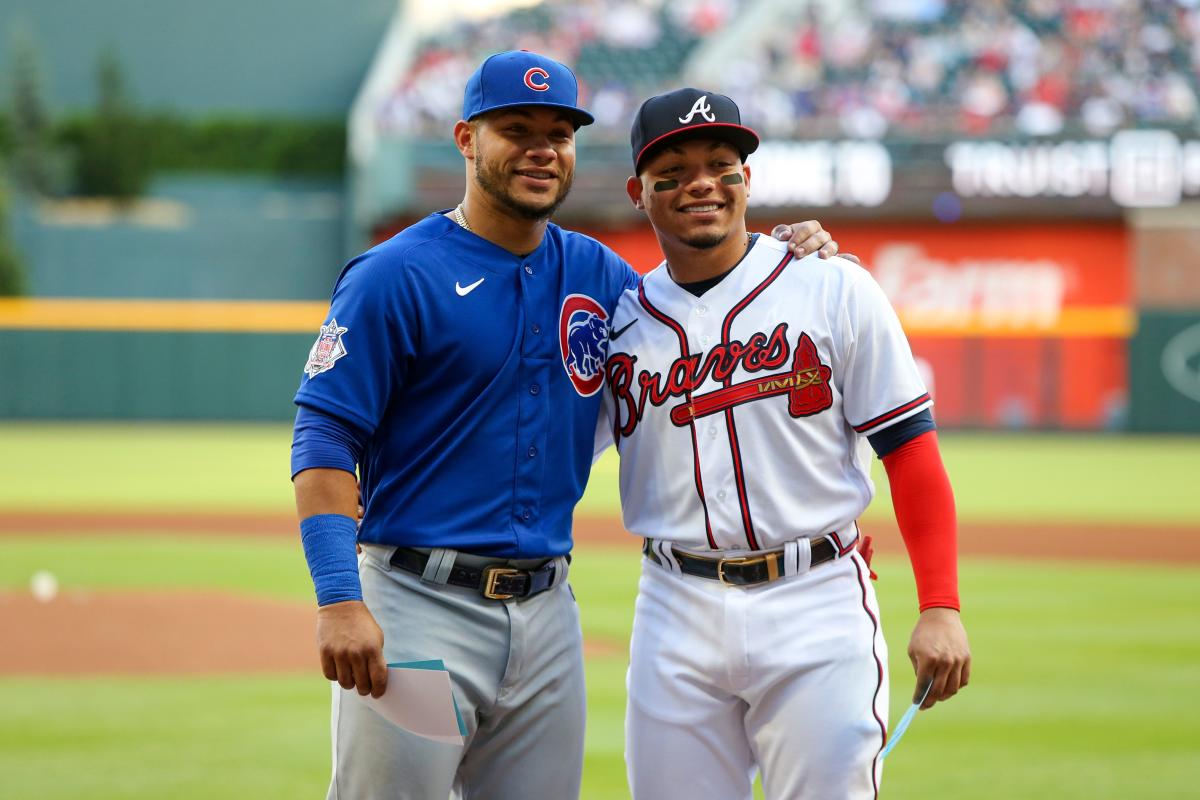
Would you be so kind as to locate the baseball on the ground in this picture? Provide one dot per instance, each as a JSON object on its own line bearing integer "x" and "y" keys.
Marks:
{"x": 43, "y": 585}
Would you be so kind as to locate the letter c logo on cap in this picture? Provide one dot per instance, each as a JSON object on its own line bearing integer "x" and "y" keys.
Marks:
{"x": 536, "y": 79}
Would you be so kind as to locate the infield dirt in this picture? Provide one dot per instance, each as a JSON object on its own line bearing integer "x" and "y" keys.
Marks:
{"x": 1141, "y": 542}
{"x": 182, "y": 633}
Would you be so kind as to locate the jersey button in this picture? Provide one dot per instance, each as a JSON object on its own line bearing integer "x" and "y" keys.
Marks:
{"x": 534, "y": 389}
{"x": 702, "y": 310}
{"x": 526, "y": 514}
{"x": 712, "y": 432}
{"x": 536, "y": 328}
{"x": 532, "y": 451}
{"x": 528, "y": 270}
{"x": 721, "y": 495}
{"x": 705, "y": 339}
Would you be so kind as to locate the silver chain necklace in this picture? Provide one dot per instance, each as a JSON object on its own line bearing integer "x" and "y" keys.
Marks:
{"x": 461, "y": 218}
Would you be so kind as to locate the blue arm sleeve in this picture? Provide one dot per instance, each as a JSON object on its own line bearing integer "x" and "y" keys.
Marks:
{"x": 322, "y": 440}
{"x": 328, "y": 541}
{"x": 890, "y": 438}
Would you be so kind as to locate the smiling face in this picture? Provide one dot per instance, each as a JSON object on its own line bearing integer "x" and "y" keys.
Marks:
{"x": 694, "y": 193}
{"x": 525, "y": 159}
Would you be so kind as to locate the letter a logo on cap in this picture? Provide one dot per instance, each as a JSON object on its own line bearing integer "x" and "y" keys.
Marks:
{"x": 537, "y": 79}
{"x": 700, "y": 107}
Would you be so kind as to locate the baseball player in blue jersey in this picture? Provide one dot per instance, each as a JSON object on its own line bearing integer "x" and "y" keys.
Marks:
{"x": 459, "y": 373}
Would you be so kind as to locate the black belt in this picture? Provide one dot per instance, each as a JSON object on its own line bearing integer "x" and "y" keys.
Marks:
{"x": 742, "y": 570}
{"x": 494, "y": 581}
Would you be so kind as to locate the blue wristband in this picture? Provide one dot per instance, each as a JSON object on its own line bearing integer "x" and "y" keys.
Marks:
{"x": 328, "y": 541}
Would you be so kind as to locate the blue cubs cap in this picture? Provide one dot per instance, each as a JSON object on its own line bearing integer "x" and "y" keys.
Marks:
{"x": 522, "y": 78}
{"x": 688, "y": 114}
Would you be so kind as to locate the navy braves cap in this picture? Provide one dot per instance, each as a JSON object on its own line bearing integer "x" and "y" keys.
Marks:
{"x": 522, "y": 78}
{"x": 688, "y": 114}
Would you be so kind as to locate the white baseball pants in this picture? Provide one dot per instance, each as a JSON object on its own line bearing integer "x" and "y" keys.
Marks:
{"x": 789, "y": 678}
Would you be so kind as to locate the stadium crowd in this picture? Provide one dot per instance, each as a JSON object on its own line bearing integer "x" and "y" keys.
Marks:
{"x": 865, "y": 69}
{"x": 622, "y": 50}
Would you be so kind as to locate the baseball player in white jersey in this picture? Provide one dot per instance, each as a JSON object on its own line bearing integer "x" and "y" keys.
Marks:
{"x": 745, "y": 391}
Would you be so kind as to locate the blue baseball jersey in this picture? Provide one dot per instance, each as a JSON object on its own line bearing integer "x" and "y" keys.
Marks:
{"x": 473, "y": 376}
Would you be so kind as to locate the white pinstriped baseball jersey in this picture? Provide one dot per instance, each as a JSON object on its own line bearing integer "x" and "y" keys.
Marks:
{"x": 741, "y": 415}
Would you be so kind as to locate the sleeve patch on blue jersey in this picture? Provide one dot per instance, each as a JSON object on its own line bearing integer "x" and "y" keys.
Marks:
{"x": 326, "y": 350}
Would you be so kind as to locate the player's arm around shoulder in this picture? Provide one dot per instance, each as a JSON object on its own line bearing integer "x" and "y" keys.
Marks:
{"x": 809, "y": 237}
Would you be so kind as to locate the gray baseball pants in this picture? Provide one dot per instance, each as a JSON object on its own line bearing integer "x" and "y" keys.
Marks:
{"x": 517, "y": 671}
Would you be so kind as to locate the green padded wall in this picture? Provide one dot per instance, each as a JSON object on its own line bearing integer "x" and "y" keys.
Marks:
{"x": 141, "y": 375}
{"x": 1164, "y": 372}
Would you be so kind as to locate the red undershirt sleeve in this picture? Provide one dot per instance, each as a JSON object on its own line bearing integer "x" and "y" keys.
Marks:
{"x": 924, "y": 505}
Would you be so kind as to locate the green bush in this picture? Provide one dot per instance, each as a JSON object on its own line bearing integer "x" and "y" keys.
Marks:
{"x": 27, "y": 128}
{"x": 258, "y": 145}
{"x": 110, "y": 156}
{"x": 243, "y": 144}
{"x": 12, "y": 272}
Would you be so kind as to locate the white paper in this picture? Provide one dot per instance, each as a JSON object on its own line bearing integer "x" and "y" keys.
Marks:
{"x": 420, "y": 701}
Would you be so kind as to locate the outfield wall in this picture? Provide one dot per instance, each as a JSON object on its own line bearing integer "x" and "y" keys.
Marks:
{"x": 153, "y": 359}
{"x": 151, "y": 375}
{"x": 200, "y": 301}
{"x": 1165, "y": 372}
{"x": 1164, "y": 375}
{"x": 1017, "y": 326}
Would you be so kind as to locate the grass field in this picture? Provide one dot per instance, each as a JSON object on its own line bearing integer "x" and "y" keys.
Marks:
{"x": 997, "y": 476}
{"x": 1085, "y": 683}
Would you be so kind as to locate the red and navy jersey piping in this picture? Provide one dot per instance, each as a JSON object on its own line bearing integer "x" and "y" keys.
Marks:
{"x": 890, "y": 415}
{"x": 683, "y": 352}
{"x": 858, "y": 572}
{"x": 734, "y": 448}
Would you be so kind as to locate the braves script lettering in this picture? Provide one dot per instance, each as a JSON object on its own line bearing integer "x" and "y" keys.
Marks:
{"x": 806, "y": 383}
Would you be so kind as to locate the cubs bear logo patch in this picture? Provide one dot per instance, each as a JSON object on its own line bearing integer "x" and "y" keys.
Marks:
{"x": 326, "y": 350}
{"x": 583, "y": 341}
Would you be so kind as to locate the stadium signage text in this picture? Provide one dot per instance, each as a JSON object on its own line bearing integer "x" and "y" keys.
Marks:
{"x": 1135, "y": 169}
{"x": 1138, "y": 169}
{"x": 821, "y": 173}
{"x": 991, "y": 292}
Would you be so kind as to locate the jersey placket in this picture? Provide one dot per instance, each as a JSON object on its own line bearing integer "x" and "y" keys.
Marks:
{"x": 533, "y": 389}
{"x": 703, "y": 325}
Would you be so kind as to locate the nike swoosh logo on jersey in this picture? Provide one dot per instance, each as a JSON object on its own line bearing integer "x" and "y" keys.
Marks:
{"x": 618, "y": 333}
{"x": 463, "y": 291}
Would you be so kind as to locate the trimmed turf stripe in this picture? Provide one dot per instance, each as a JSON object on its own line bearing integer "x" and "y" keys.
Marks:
{"x": 1071, "y": 322}
{"x": 251, "y": 316}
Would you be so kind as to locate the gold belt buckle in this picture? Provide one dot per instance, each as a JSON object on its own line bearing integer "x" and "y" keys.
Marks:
{"x": 491, "y": 575}
{"x": 768, "y": 559}
{"x": 742, "y": 560}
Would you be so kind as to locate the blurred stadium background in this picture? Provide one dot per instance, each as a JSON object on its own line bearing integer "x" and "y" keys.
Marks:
{"x": 180, "y": 184}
